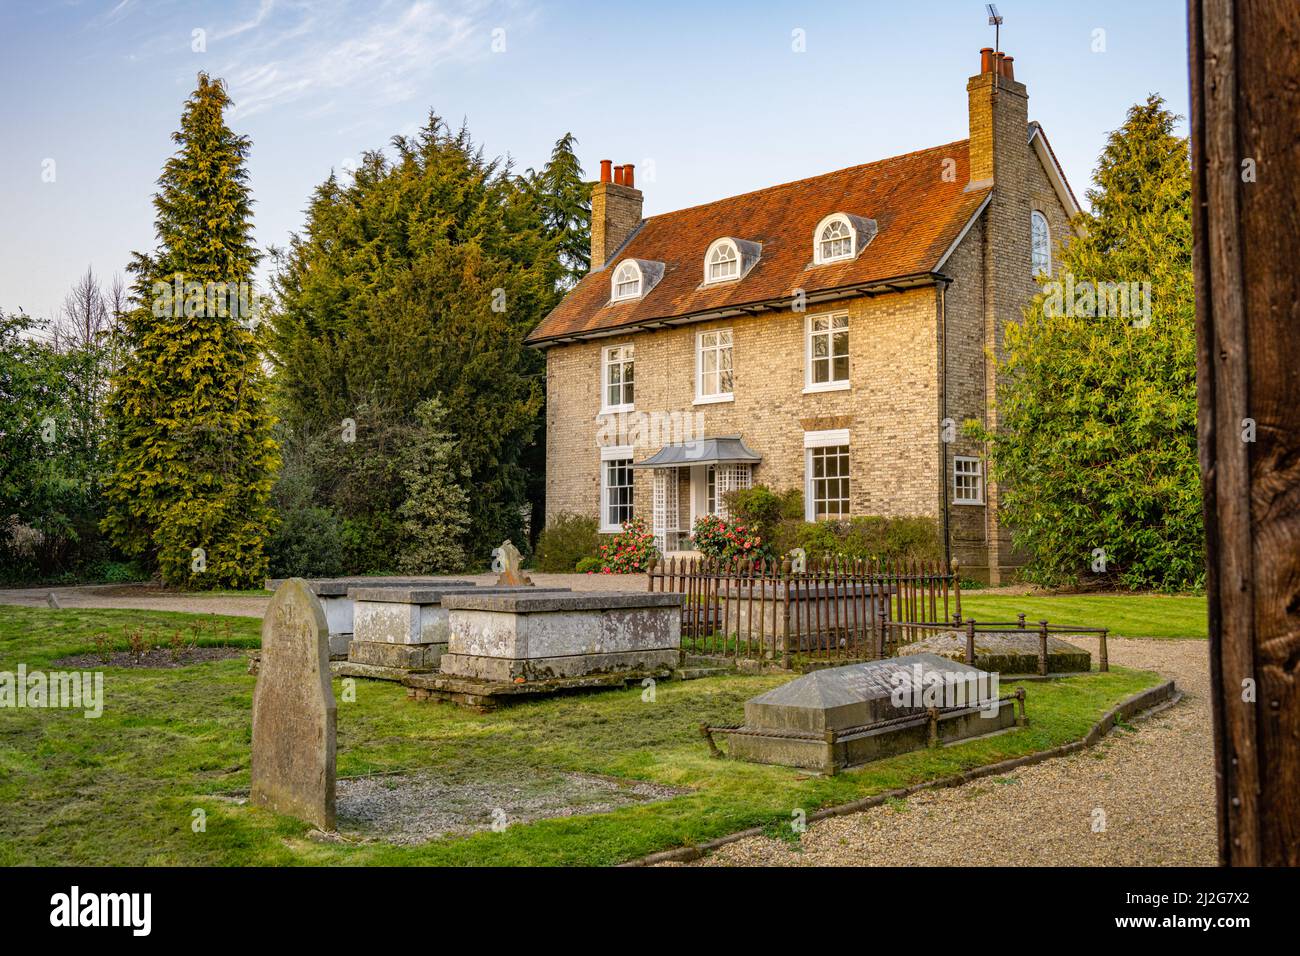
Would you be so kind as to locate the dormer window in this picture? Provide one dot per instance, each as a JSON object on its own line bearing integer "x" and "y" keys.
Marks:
{"x": 723, "y": 262}
{"x": 728, "y": 259}
{"x": 840, "y": 236}
{"x": 634, "y": 278}
{"x": 626, "y": 282}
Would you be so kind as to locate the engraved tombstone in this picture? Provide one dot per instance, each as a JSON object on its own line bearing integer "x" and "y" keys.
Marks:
{"x": 294, "y": 710}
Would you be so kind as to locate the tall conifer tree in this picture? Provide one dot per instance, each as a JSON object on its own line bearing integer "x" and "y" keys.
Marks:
{"x": 194, "y": 458}
{"x": 1097, "y": 438}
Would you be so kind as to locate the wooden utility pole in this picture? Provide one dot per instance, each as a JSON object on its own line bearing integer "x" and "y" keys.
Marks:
{"x": 1245, "y": 105}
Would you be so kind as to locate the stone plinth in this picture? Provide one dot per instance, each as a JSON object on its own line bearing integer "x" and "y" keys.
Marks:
{"x": 339, "y": 615}
{"x": 534, "y": 635}
{"x": 843, "y": 716}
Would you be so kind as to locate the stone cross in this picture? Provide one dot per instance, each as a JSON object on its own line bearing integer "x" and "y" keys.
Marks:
{"x": 294, "y": 712}
{"x": 505, "y": 562}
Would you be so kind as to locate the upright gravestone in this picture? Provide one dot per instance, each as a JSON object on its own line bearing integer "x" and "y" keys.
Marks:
{"x": 294, "y": 710}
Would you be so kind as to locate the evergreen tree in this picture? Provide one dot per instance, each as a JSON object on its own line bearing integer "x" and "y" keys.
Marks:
{"x": 564, "y": 199}
{"x": 1097, "y": 437}
{"x": 420, "y": 279}
{"x": 193, "y": 452}
{"x": 434, "y": 513}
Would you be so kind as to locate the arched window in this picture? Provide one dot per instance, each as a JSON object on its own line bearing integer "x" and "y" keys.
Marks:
{"x": 722, "y": 261}
{"x": 1041, "y": 241}
{"x": 626, "y": 283}
{"x": 834, "y": 240}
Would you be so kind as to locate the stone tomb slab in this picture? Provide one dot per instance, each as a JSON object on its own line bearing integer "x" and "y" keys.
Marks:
{"x": 294, "y": 712}
{"x": 1013, "y": 651}
{"x": 333, "y": 595}
{"x": 843, "y": 716}
{"x": 403, "y": 630}
{"x": 540, "y": 636}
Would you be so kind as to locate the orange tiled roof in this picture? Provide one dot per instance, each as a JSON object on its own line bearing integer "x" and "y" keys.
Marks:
{"x": 919, "y": 214}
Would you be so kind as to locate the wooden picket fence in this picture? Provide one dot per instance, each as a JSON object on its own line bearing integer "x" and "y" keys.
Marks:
{"x": 831, "y": 608}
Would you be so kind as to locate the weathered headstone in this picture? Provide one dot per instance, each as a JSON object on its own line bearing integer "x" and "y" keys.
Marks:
{"x": 294, "y": 710}
{"x": 506, "y": 561}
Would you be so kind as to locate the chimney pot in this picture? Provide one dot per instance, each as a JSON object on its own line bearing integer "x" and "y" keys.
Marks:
{"x": 986, "y": 60}
{"x": 628, "y": 179}
{"x": 998, "y": 66}
{"x": 605, "y": 174}
{"x": 1008, "y": 66}
{"x": 618, "y": 175}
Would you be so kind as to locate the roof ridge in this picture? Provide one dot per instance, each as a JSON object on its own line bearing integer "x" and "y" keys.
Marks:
{"x": 807, "y": 179}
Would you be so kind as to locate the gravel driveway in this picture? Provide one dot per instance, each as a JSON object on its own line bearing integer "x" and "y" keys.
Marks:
{"x": 1155, "y": 786}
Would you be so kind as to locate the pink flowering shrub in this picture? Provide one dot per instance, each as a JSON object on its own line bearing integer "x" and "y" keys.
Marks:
{"x": 717, "y": 537}
{"x": 632, "y": 550}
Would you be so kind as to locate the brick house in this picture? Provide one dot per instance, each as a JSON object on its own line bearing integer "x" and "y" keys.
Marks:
{"x": 828, "y": 334}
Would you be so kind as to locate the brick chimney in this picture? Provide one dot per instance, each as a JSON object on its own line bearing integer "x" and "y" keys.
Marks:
{"x": 615, "y": 210}
{"x": 1001, "y": 157}
{"x": 999, "y": 118}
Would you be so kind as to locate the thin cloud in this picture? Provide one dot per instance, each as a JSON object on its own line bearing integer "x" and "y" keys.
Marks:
{"x": 289, "y": 54}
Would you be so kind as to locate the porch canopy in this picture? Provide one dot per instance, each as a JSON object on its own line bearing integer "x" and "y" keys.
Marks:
{"x": 727, "y": 450}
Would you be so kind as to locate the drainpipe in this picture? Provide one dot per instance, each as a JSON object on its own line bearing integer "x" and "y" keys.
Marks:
{"x": 943, "y": 391}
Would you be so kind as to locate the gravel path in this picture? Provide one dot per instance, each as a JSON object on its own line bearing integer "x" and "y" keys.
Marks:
{"x": 1155, "y": 786}
{"x": 147, "y": 598}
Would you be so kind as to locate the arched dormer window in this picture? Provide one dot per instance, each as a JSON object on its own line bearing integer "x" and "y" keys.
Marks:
{"x": 729, "y": 259}
{"x": 841, "y": 236}
{"x": 634, "y": 278}
{"x": 1041, "y": 242}
{"x": 722, "y": 262}
{"x": 626, "y": 283}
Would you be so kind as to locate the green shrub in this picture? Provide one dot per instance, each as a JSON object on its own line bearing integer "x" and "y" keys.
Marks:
{"x": 631, "y": 550}
{"x": 567, "y": 540}
{"x": 308, "y": 543}
{"x": 864, "y": 537}
{"x": 761, "y": 509}
{"x": 588, "y": 565}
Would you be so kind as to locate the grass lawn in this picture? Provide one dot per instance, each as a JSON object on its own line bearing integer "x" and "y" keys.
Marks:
{"x": 1126, "y": 615}
{"x": 121, "y": 789}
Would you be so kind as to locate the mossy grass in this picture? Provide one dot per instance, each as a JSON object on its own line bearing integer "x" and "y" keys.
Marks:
{"x": 122, "y": 789}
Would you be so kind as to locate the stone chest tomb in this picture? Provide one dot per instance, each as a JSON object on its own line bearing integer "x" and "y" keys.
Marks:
{"x": 843, "y": 716}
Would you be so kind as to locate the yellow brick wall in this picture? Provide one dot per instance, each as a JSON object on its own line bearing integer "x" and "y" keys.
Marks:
{"x": 891, "y": 409}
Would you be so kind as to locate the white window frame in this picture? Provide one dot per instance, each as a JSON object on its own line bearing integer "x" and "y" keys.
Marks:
{"x": 818, "y": 258}
{"x": 708, "y": 262}
{"x": 833, "y": 385}
{"x": 832, "y": 438}
{"x": 615, "y": 282}
{"x": 608, "y": 454}
{"x": 1035, "y": 219}
{"x": 605, "y": 365}
{"x": 707, "y": 399}
{"x": 977, "y": 474}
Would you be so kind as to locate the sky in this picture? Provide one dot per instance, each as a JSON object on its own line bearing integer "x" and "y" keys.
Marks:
{"x": 706, "y": 99}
